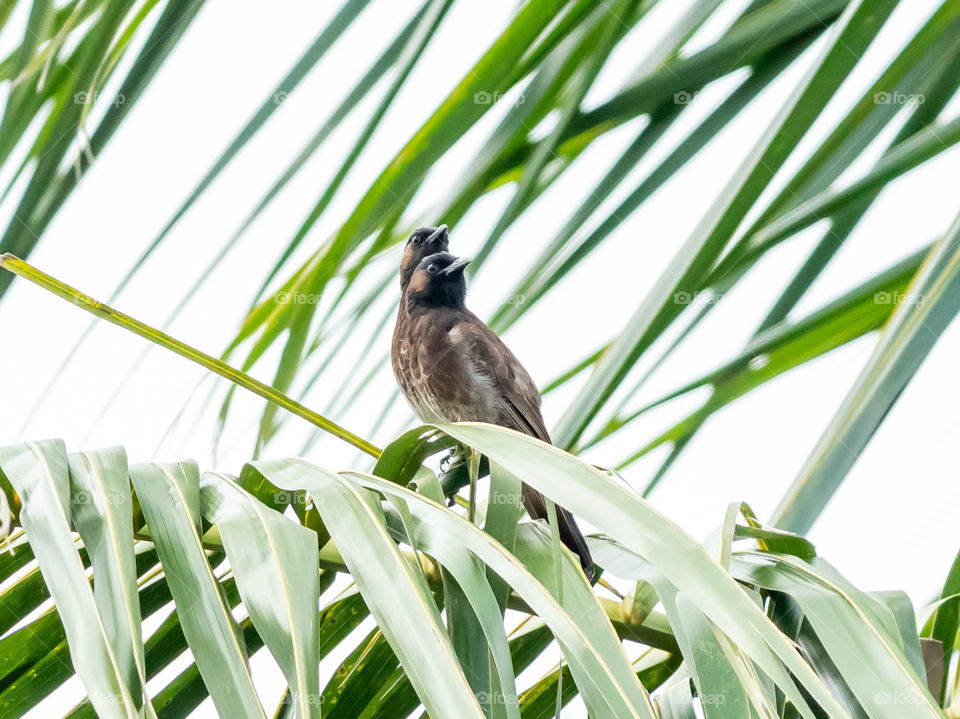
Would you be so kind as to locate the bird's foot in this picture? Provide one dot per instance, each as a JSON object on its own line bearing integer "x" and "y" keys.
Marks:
{"x": 449, "y": 460}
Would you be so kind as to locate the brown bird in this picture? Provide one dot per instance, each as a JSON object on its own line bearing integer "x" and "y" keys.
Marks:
{"x": 451, "y": 367}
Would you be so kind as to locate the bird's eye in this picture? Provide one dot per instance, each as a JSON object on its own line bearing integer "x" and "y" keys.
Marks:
{"x": 417, "y": 240}
{"x": 432, "y": 268}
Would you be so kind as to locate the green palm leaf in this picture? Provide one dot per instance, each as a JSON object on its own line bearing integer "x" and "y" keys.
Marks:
{"x": 386, "y": 592}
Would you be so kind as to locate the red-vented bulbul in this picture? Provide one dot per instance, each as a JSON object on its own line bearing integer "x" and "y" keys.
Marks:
{"x": 451, "y": 367}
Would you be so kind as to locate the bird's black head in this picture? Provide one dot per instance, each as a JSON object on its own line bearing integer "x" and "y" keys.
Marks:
{"x": 438, "y": 281}
{"x": 423, "y": 242}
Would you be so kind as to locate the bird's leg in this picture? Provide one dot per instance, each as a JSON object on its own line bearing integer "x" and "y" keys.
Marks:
{"x": 473, "y": 466}
{"x": 449, "y": 459}
{"x": 448, "y": 463}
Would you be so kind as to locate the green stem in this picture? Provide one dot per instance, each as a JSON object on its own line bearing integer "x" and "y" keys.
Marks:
{"x": 474, "y": 469}
{"x": 19, "y": 267}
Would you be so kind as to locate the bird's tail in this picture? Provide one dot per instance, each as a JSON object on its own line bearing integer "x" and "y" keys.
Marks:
{"x": 570, "y": 533}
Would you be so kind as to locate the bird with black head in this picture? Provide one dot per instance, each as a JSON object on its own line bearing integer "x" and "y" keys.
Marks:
{"x": 422, "y": 242}
{"x": 451, "y": 367}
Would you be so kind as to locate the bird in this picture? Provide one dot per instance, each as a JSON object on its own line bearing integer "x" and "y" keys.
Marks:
{"x": 422, "y": 242}
{"x": 451, "y": 367}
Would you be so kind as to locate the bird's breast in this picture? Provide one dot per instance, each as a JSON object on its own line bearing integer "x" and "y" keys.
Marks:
{"x": 437, "y": 375}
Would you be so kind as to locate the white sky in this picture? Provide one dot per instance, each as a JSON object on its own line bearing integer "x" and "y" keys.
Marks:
{"x": 889, "y": 526}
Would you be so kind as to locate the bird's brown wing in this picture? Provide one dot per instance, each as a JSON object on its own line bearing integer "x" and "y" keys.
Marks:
{"x": 517, "y": 397}
{"x": 518, "y": 406}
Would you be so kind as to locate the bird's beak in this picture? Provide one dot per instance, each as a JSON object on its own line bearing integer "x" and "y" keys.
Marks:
{"x": 457, "y": 265}
{"x": 439, "y": 232}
